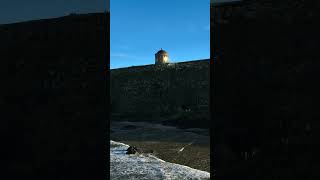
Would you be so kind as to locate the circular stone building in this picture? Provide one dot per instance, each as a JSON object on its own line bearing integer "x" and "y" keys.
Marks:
{"x": 161, "y": 57}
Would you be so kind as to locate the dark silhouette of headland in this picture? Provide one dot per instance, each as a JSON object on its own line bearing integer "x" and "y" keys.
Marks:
{"x": 53, "y": 92}
{"x": 175, "y": 94}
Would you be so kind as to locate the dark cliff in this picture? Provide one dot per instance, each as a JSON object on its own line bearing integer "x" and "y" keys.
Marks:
{"x": 53, "y": 92}
{"x": 265, "y": 94}
{"x": 175, "y": 93}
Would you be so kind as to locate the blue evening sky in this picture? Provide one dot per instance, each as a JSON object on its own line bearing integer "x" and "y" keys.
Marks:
{"x": 139, "y": 28}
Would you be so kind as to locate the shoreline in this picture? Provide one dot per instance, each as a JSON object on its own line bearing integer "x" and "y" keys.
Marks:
{"x": 148, "y": 166}
{"x": 194, "y": 156}
{"x": 166, "y": 142}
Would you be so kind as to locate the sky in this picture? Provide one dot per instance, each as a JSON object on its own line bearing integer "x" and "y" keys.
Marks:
{"x": 12, "y": 11}
{"x": 139, "y": 28}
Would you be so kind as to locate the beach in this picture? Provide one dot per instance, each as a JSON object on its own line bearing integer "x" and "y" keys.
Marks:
{"x": 189, "y": 147}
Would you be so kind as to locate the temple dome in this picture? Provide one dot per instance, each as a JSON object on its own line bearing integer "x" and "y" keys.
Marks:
{"x": 162, "y": 52}
{"x": 161, "y": 57}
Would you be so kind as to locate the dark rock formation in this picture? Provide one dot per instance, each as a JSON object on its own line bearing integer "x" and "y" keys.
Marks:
{"x": 134, "y": 150}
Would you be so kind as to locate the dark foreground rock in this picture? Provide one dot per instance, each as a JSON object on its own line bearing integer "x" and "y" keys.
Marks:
{"x": 134, "y": 150}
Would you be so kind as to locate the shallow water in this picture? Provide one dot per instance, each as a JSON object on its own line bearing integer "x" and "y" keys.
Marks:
{"x": 146, "y": 167}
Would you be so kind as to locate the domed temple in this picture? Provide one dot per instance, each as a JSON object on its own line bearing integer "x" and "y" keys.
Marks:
{"x": 161, "y": 57}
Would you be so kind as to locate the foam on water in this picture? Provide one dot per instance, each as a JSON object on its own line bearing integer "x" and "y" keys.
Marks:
{"x": 143, "y": 167}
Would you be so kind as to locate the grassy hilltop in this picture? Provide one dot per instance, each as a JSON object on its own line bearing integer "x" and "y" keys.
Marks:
{"x": 173, "y": 94}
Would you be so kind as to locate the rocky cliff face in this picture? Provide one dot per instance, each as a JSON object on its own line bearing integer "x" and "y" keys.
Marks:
{"x": 53, "y": 89}
{"x": 160, "y": 91}
{"x": 266, "y": 91}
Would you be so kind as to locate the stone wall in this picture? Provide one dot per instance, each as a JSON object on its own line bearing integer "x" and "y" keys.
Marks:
{"x": 158, "y": 91}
